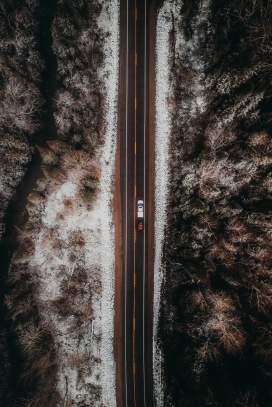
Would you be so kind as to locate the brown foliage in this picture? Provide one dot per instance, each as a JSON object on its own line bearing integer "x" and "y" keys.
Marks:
{"x": 77, "y": 360}
{"x": 216, "y": 297}
{"x": 79, "y": 118}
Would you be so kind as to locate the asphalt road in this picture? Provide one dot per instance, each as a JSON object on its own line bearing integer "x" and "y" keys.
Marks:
{"x": 134, "y": 139}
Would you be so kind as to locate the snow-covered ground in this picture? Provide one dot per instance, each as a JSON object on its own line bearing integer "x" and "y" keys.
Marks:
{"x": 163, "y": 124}
{"x": 73, "y": 238}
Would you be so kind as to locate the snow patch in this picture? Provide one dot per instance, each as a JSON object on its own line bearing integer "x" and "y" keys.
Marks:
{"x": 109, "y": 21}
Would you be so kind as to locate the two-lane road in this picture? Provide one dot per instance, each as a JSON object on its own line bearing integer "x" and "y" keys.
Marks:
{"x": 135, "y": 175}
{"x": 135, "y": 167}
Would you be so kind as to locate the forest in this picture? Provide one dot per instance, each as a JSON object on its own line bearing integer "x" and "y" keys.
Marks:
{"x": 51, "y": 125}
{"x": 216, "y": 308}
{"x": 215, "y": 325}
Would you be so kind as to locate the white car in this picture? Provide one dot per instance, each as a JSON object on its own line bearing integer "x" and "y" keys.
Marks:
{"x": 140, "y": 208}
{"x": 140, "y": 213}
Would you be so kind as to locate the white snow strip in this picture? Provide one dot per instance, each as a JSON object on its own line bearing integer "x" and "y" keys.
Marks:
{"x": 109, "y": 21}
{"x": 162, "y": 133}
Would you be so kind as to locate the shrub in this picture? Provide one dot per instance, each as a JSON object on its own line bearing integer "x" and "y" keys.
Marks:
{"x": 88, "y": 196}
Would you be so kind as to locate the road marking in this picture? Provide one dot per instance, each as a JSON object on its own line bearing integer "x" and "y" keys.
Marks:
{"x": 134, "y": 279}
{"x": 144, "y": 212}
{"x": 136, "y": 14}
{"x": 135, "y": 115}
{"x": 136, "y": 59}
{"x": 135, "y": 237}
{"x": 135, "y": 149}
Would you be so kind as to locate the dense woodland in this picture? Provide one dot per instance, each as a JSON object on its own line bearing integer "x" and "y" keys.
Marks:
{"x": 216, "y": 314}
{"x": 51, "y": 122}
